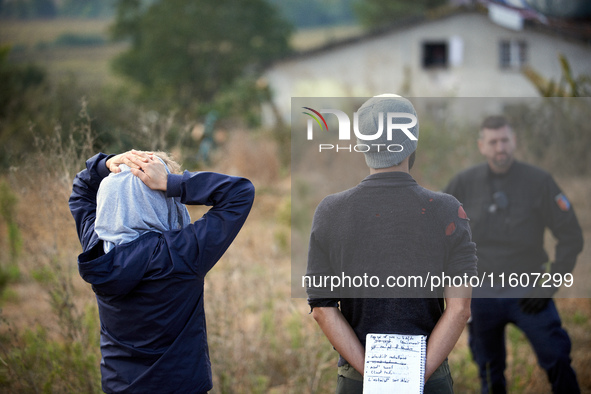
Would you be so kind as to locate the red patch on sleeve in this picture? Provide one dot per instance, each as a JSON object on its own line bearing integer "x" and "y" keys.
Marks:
{"x": 450, "y": 229}
{"x": 562, "y": 202}
{"x": 462, "y": 213}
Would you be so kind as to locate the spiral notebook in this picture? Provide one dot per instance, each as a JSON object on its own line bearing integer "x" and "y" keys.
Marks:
{"x": 394, "y": 363}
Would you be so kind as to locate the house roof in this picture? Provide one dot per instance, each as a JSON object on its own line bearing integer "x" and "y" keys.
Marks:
{"x": 577, "y": 30}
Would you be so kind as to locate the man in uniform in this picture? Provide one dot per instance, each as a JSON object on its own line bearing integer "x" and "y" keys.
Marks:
{"x": 510, "y": 204}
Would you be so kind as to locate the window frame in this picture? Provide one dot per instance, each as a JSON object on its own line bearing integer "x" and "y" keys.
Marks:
{"x": 513, "y": 54}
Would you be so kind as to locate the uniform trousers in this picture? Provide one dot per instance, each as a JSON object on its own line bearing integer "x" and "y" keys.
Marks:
{"x": 544, "y": 331}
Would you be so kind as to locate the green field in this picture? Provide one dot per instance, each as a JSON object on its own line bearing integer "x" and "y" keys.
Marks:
{"x": 31, "y": 42}
{"x": 34, "y": 42}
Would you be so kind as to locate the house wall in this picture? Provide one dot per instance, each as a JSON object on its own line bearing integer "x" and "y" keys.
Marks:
{"x": 393, "y": 63}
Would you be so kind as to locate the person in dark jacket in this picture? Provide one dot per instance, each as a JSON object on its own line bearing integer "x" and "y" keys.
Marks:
{"x": 146, "y": 263}
{"x": 389, "y": 226}
{"x": 510, "y": 204}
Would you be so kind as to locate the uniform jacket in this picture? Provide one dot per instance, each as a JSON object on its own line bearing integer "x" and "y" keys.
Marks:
{"x": 150, "y": 290}
{"x": 510, "y": 237}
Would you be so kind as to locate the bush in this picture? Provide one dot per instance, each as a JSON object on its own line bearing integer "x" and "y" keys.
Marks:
{"x": 555, "y": 132}
{"x": 34, "y": 360}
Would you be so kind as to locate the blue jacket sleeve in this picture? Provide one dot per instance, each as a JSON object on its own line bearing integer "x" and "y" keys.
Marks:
{"x": 83, "y": 198}
{"x": 202, "y": 243}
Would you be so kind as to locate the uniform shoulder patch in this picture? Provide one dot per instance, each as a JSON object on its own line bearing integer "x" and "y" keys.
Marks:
{"x": 562, "y": 202}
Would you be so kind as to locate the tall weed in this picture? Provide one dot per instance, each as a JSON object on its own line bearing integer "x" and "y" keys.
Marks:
{"x": 45, "y": 359}
{"x": 58, "y": 351}
{"x": 9, "y": 270}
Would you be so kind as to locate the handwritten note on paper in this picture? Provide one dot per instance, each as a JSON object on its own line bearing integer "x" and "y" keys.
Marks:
{"x": 394, "y": 363}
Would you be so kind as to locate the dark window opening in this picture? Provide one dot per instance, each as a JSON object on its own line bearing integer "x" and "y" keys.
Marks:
{"x": 435, "y": 55}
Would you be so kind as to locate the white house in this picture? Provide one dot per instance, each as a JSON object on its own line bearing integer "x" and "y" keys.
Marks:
{"x": 462, "y": 54}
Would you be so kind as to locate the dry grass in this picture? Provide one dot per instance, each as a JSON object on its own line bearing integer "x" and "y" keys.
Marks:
{"x": 249, "y": 154}
{"x": 29, "y": 33}
{"x": 261, "y": 340}
{"x": 90, "y": 65}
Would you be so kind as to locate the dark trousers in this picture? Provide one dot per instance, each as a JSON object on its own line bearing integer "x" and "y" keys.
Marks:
{"x": 439, "y": 383}
{"x": 544, "y": 331}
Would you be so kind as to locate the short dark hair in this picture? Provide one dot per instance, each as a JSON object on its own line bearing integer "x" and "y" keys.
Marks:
{"x": 494, "y": 122}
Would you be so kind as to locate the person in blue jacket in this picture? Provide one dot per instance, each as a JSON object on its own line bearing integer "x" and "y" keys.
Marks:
{"x": 146, "y": 263}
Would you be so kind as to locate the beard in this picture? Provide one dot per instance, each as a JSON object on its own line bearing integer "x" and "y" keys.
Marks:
{"x": 502, "y": 160}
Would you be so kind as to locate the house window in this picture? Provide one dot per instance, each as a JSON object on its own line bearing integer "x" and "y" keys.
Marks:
{"x": 512, "y": 54}
{"x": 435, "y": 55}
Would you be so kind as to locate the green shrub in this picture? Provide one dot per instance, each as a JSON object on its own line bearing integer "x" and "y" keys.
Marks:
{"x": 37, "y": 363}
{"x": 48, "y": 360}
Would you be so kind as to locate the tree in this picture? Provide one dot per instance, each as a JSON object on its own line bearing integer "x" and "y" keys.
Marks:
{"x": 15, "y": 81}
{"x": 376, "y": 13}
{"x": 21, "y": 85}
{"x": 186, "y": 51}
